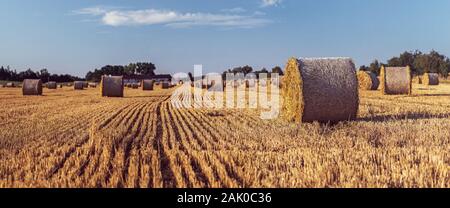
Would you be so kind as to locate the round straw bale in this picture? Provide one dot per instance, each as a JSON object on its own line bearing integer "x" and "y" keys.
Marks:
{"x": 250, "y": 82}
{"x": 165, "y": 85}
{"x": 52, "y": 85}
{"x": 367, "y": 80}
{"x": 135, "y": 85}
{"x": 396, "y": 80}
{"x": 10, "y": 84}
{"x": 32, "y": 87}
{"x": 93, "y": 85}
{"x": 85, "y": 84}
{"x": 431, "y": 79}
{"x": 78, "y": 85}
{"x": 147, "y": 85}
{"x": 112, "y": 86}
{"x": 320, "y": 89}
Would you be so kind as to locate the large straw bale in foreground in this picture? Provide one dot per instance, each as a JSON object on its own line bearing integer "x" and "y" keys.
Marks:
{"x": 112, "y": 86}
{"x": 368, "y": 80}
{"x": 32, "y": 87}
{"x": 430, "y": 79}
{"x": 147, "y": 85}
{"x": 396, "y": 80}
{"x": 323, "y": 90}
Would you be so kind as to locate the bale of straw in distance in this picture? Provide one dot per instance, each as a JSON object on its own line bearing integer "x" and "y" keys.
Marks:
{"x": 165, "y": 85}
{"x": 85, "y": 84}
{"x": 93, "y": 85}
{"x": 249, "y": 83}
{"x": 32, "y": 87}
{"x": 147, "y": 85}
{"x": 320, "y": 89}
{"x": 112, "y": 86}
{"x": 368, "y": 80}
{"x": 52, "y": 85}
{"x": 78, "y": 85}
{"x": 431, "y": 79}
{"x": 396, "y": 80}
{"x": 10, "y": 84}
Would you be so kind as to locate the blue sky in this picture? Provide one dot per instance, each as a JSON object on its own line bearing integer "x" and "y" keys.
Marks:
{"x": 77, "y": 36}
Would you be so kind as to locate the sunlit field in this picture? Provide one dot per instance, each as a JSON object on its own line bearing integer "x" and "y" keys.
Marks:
{"x": 70, "y": 138}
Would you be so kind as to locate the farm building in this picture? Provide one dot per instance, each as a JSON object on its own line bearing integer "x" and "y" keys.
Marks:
{"x": 137, "y": 79}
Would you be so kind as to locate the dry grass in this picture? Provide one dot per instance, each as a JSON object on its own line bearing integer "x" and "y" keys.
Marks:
{"x": 70, "y": 138}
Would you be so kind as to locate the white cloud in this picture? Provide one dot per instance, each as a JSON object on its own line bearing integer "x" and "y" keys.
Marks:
{"x": 268, "y": 3}
{"x": 117, "y": 17}
{"x": 235, "y": 10}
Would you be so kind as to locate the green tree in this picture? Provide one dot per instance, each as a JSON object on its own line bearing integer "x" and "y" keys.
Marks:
{"x": 278, "y": 70}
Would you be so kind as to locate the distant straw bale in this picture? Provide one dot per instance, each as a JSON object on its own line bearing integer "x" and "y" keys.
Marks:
{"x": 112, "y": 86}
{"x": 32, "y": 87}
{"x": 396, "y": 80}
{"x": 430, "y": 79}
{"x": 367, "y": 80}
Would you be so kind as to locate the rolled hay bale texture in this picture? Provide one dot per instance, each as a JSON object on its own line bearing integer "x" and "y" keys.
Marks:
{"x": 320, "y": 89}
{"x": 78, "y": 85}
{"x": 32, "y": 87}
{"x": 112, "y": 86}
{"x": 52, "y": 85}
{"x": 431, "y": 79}
{"x": 367, "y": 80}
{"x": 147, "y": 85}
{"x": 396, "y": 80}
{"x": 85, "y": 84}
{"x": 165, "y": 85}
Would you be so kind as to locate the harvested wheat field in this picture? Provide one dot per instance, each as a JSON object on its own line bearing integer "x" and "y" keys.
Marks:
{"x": 69, "y": 138}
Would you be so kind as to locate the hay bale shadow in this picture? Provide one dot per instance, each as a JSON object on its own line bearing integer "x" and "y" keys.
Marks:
{"x": 404, "y": 116}
{"x": 431, "y": 95}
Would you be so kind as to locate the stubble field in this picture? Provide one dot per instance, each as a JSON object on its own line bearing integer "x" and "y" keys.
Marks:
{"x": 70, "y": 138}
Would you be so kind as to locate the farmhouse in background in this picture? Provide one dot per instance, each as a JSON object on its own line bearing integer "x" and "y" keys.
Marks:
{"x": 130, "y": 79}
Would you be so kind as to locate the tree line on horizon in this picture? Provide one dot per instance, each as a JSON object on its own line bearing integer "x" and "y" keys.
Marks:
{"x": 432, "y": 62}
{"x": 246, "y": 70}
{"x": 419, "y": 62}
{"x": 7, "y": 74}
{"x": 140, "y": 68}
